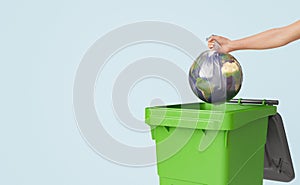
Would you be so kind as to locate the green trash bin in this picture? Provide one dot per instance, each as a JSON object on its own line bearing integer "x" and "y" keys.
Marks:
{"x": 205, "y": 144}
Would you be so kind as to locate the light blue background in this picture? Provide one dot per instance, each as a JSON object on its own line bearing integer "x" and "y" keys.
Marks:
{"x": 43, "y": 42}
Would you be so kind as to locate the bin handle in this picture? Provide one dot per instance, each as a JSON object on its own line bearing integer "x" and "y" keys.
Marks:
{"x": 254, "y": 101}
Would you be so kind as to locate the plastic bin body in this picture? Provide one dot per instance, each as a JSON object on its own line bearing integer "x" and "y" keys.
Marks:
{"x": 234, "y": 155}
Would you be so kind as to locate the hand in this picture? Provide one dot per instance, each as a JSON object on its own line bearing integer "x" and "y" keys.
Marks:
{"x": 225, "y": 43}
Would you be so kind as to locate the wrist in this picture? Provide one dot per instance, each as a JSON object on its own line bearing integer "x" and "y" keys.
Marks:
{"x": 232, "y": 46}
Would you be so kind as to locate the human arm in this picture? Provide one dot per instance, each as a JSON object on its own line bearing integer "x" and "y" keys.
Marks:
{"x": 272, "y": 38}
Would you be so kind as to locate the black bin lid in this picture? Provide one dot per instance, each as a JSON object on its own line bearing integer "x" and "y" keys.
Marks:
{"x": 278, "y": 162}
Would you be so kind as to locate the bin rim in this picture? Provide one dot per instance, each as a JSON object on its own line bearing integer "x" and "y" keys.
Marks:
{"x": 172, "y": 115}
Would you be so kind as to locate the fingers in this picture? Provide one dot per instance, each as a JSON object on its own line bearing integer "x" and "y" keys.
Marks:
{"x": 211, "y": 45}
{"x": 211, "y": 41}
{"x": 212, "y": 38}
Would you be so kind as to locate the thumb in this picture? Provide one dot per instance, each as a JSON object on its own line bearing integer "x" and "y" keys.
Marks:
{"x": 214, "y": 38}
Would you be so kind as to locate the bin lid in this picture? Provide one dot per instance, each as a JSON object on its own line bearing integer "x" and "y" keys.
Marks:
{"x": 278, "y": 161}
{"x": 207, "y": 116}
